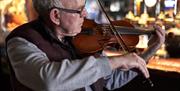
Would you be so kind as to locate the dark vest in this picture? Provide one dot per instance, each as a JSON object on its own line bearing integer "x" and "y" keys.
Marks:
{"x": 55, "y": 50}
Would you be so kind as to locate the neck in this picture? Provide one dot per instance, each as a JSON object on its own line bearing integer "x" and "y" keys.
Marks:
{"x": 60, "y": 37}
{"x": 54, "y": 30}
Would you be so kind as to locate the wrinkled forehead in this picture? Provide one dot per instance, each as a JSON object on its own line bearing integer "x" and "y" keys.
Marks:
{"x": 73, "y": 4}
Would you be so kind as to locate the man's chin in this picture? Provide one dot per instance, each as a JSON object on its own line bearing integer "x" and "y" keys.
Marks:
{"x": 74, "y": 34}
{"x": 71, "y": 34}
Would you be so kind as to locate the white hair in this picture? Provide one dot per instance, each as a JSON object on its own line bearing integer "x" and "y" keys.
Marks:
{"x": 43, "y": 6}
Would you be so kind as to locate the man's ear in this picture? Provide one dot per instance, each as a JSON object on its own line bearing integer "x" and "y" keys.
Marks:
{"x": 54, "y": 16}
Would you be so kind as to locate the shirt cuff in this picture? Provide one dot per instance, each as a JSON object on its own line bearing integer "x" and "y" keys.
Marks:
{"x": 105, "y": 69}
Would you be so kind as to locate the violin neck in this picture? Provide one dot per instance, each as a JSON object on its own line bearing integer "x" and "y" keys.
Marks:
{"x": 135, "y": 31}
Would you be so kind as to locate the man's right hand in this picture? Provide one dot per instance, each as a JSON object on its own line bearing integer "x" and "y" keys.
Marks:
{"x": 129, "y": 61}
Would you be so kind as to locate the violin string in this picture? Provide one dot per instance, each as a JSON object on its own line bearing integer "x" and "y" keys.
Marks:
{"x": 115, "y": 32}
{"x": 119, "y": 37}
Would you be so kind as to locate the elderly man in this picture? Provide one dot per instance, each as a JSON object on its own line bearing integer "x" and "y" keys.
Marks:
{"x": 42, "y": 57}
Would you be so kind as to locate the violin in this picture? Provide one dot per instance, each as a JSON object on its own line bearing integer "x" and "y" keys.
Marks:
{"x": 95, "y": 37}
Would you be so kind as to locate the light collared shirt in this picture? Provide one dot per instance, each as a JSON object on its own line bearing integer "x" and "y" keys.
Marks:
{"x": 33, "y": 69}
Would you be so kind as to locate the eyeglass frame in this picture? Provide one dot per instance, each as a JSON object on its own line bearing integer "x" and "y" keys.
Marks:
{"x": 71, "y": 10}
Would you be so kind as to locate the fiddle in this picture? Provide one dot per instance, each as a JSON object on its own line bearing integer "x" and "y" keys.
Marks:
{"x": 95, "y": 37}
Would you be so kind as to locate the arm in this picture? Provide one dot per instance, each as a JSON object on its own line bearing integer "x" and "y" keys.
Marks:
{"x": 122, "y": 75}
{"x": 154, "y": 43}
{"x": 34, "y": 70}
{"x": 119, "y": 78}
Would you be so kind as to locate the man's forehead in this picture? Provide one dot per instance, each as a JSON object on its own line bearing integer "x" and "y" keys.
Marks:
{"x": 73, "y": 3}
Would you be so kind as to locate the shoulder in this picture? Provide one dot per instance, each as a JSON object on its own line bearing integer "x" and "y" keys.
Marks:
{"x": 25, "y": 31}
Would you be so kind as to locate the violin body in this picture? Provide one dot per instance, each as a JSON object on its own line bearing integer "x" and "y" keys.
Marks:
{"x": 95, "y": 37}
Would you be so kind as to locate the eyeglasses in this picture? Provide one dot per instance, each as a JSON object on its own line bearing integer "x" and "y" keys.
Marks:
{"x": 71, "y": 10}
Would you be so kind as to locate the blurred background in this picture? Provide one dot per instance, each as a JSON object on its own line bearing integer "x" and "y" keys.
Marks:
{"x": 164, "y": 67}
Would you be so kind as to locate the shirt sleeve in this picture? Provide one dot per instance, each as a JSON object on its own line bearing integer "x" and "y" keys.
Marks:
{"x": 119, "y": 78}
{"x": 33, "y": 68}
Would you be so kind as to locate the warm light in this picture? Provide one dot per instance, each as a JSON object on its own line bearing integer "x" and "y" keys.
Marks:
{"x": 115, "y": 6}
{"x": 161, "y": 15}
{"x": 178, "y": 15}
{"x": 130, "y": 15}
{"x": 139, "y": 0}
{"x": 137, "y": 7}
{"x": 150, "y": 3}
{"x": 143, "y": 41}
{"x": 143, "y": 19}
{"x": 168, "y": 65}
{"x": 17, "y": 14}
